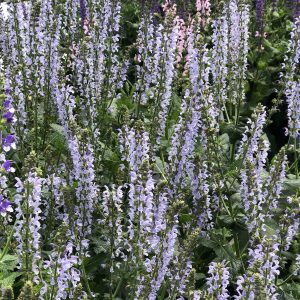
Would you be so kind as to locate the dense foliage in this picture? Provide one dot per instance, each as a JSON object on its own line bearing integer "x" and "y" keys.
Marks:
{"x": 149, "y": 150}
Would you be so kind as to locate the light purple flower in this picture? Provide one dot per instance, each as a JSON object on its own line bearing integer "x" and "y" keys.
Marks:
{"x": 29, "y": 218}
{"x": 263, "y": 268}
{"x": 218, "y": 280}
{"x": 219, "y": 60}
{"x": 292, "y": 88}
{"x": 163, "y": 264}
{"x": 237, "y": 49}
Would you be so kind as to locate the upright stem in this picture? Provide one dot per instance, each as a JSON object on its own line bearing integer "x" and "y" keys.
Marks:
{"x": 27, "y": 233}
{"x": 7, "y": 244}
{"x": 55, "y": 274}
{"x": 296, "y": 158}
{"x": 86, "y": 280}
{"x": 111, "y": 250}
{"x": 36, "y": 123}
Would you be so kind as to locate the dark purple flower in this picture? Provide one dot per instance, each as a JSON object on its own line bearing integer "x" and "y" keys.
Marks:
{"x": 7, "y": 104}
{"x": 296, "y": 8}
{"x": 8, "y": 116}
{"x": 7, "y": 166}
{"x": 156, "y": 8}
{"x": 82, "y": 11}
{"x": 4, "y": 205}
{"x": 8, "y": 142}
{"x": 84, "y": 17}
{"x": 259, "y": 14}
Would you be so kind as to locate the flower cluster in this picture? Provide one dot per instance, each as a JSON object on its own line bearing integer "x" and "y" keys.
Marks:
{"x": 218, "y": 280}
{"x": 8, "y": 143}
{"x": 292, "y": 85}
{"x": 259, "y": 14}
{"x": 28, "y": 224}
{"x": 262, "y": 271}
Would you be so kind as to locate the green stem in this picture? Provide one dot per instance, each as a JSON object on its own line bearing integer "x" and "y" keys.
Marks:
{"x": 111, "y": 249}
{"x": 7, "y": 244}
{"x": 286, "y": 280}
{"x": 296, "y": 158}
{"x": 27, "y": 233}
{"x": 238, "y": 251}
{"x": 226, "y": 114}
{"x": 293, "y": 164}
{"x": 86, "y": 280}
{"x": 47, "y": 100}
{"x": 55, "y": 274}
{"x": 163, "y": 292}
{"x": 237, "y": 113}
{"x": 120, "y": 282}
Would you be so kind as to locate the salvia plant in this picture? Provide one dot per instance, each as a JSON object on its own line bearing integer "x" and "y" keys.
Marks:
{"x": 149, "y": 149}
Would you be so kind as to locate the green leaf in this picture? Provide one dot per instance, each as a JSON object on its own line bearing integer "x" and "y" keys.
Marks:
{"x": 9, "y": 280}
{"x": 57, "y": 128}
{"x": 8, "y": 263}
{"x": 225, "y": 252}
{"x": 185, "y": 218}
{"x": 224, "y": 141}
{"x": 159, "y": 166}
{"x": 269, "y": 46}
{"x": 227, "y": 219}
{"x": 199, "y": 276}
{"x": 8, "y": 258}
{"x": 291, "y": 186}
{"x": 207, "y": 242}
